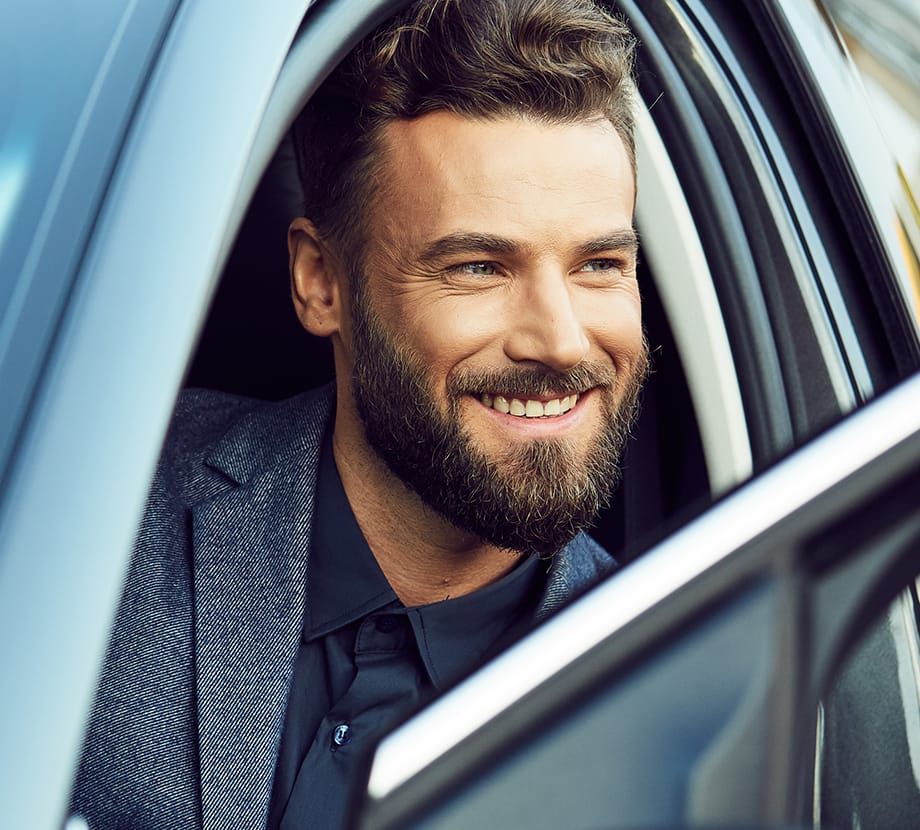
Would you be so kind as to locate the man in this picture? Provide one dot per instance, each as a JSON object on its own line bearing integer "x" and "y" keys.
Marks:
{"x": 307, "y": 570}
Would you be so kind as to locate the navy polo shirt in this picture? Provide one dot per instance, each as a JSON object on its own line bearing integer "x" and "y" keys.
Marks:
{"x": 365, "y": 660}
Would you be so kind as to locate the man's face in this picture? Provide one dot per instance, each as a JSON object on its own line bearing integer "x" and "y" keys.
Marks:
{"x": 496, "y": 345}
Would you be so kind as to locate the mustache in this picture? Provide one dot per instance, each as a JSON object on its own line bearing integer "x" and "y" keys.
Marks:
{"x": 531, "y": 381}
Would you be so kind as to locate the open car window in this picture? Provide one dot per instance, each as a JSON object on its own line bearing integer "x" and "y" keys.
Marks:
{"x": 771, "y": 302}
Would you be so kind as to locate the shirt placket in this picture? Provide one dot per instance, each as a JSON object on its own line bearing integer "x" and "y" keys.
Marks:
{"x": 387, "y": 683}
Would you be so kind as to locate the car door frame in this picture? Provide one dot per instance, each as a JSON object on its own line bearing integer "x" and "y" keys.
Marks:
{"x": 75, "y": 487}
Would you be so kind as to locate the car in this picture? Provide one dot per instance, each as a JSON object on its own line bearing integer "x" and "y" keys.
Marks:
{"x": 764, "y": 518}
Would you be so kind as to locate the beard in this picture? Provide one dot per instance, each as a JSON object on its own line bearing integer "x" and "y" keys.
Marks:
{"x": 534, "y": 499}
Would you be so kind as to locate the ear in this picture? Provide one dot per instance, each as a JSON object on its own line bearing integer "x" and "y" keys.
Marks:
{"x": 315, "y": 280}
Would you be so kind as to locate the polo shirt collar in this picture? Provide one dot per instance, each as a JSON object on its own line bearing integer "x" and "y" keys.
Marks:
{"x": 345, "y": 584}
{"x": 456, "y": 635}
{"x": 344, "y": 581}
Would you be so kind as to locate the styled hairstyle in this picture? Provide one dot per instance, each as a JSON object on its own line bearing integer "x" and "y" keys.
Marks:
{"x": 559, "y": 61}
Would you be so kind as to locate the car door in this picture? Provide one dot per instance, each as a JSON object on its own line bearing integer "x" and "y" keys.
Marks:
{"x": 685, "y": 690}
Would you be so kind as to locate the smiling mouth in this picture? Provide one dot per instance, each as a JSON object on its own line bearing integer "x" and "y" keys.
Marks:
{"x": 528, "y": 408}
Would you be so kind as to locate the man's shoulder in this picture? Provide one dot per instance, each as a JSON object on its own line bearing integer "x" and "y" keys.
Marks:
{"x": 579, "y": 566}
{"x": 218, "y": 435}
{"x": 145, "y": 715}
{"x": 202, "y": 416}
{"x": 585, "y": 563}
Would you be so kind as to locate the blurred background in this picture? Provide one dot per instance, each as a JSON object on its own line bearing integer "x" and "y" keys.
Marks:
{"x": 883, "y": 37}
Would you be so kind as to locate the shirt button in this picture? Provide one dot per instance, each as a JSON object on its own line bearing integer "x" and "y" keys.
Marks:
{"x": 341, "y": 735}
{"x": 386, "y": 623}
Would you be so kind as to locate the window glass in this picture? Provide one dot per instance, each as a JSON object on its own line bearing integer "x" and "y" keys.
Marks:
{"x": 69, "y": 78}
{"x": 882, "y": 36}
{"x": 868, "y": 766}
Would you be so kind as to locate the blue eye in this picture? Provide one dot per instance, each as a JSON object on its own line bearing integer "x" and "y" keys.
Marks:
{"x": 477, "y": 269}
{"x": 600, "y": 265}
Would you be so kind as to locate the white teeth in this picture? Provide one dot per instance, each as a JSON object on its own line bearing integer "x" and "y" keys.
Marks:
{"x": 533, "y": 409}
{"x": 529, "y": 408}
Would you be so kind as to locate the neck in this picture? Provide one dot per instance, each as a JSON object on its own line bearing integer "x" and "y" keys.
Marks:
{"x": 423, "y": 556}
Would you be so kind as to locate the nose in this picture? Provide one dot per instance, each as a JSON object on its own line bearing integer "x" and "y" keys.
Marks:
{"x": 544, "y": 324}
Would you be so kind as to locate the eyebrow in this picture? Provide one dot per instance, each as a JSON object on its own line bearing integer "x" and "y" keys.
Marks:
{"x": 465, "y": 243}
{"x": 626, "y": 239}
{"x": 484, "y": 243}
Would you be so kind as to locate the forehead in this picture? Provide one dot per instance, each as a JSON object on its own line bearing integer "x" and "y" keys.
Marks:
{"x": 518, "y": 177}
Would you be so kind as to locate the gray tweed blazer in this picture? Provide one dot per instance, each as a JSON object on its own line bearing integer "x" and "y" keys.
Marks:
{"x": 188, "y": 715}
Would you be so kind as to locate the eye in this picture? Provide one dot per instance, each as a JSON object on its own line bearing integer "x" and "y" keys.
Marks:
{"x": 596, "y": 265}
{"x": 475, "y": 269}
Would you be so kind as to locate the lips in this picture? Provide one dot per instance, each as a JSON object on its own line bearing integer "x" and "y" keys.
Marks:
{"x": 529, "y": 408}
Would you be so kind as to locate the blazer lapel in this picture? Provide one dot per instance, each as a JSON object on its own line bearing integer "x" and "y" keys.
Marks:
{"x": 580, "y": 565}
{"x": 251, "y": 545}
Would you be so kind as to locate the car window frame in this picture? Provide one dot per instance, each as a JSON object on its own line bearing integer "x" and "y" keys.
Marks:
{"x": 75, "y": 489}
{"x": 47, "y": 228}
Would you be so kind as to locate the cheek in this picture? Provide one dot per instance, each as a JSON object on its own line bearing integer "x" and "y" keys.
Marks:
{"x": 447, "y": 330}
{"x": 614, "y": 324}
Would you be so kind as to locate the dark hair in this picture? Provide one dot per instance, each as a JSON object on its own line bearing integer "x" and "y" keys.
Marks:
{"x": 554, "y": 60}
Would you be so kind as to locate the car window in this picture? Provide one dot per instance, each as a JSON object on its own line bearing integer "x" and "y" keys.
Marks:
{"x": 880, "y": 36}
{"x": 638, "y": 755}
{"x": 868, "y": 734}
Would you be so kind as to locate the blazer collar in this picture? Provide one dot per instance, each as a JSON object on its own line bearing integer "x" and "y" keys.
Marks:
{"x": 273, "y": 435}
{"x": 251, "y": 543}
